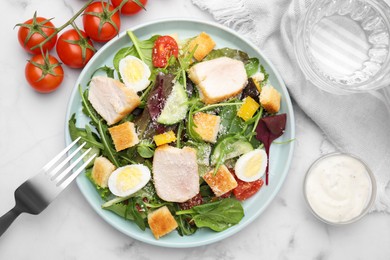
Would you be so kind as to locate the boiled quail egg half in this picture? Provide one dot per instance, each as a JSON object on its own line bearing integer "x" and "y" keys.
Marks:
{"x": 251, "y": 165}
{"x": 134, "y": 72}
{"x": 129, "y": 179}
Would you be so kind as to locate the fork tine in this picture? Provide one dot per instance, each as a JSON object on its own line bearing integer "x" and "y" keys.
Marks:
{"x": 62, "y": 164}
{"x": 61, "y": 176}
{"x": 64, "y": 184}
{"x": 58, "y": 156}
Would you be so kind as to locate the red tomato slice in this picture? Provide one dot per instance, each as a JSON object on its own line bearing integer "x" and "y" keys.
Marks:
{"x": 164, "y": 47}
{"x": 245, "y": 190}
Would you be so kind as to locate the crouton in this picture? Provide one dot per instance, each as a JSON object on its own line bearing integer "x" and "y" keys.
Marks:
{"x": 101, "y": 171}
{"x": 220, "y": 183}
{"x": 161, "y": 222}
{"x": 112, "y": 99}
{"x": 270, "y": 99}
{"x": 204, "y": 45}
{"x": 207, "y": 126}
{"x": 124, "y": 136}
{"x": 175, "y": 173}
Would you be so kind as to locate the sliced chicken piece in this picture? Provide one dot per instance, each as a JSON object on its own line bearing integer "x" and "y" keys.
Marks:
{"x": 219, "y": 79}
{"x": 175, "y": 173}
{"x": 112, "y": 99}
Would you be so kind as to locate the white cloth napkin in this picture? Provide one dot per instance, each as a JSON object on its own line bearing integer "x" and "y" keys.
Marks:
{"x": 358, "y": 123}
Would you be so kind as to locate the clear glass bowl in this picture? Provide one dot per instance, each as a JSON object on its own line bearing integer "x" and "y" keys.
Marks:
{"x": 369, "y": 202}
{"x": 342, "y": 46}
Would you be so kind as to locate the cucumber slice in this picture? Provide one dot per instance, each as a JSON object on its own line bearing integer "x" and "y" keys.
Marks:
{"x": 93, "y": 151}
{"x": 176, "y": 106}
{"x": 230, "y": 147}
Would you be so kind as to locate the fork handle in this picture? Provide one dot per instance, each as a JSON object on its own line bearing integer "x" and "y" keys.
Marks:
{"x": 7, "y": 219}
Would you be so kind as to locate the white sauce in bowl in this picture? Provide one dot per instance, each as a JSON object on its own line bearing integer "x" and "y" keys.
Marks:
{"x": 339, "y": 188}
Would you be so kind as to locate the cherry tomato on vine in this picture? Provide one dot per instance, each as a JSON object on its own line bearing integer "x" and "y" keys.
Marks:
{"x": 101, "y": 22}
{"x": 34, "y": 31}
{"x": 74, "y": 48}
{"x": 131, "y": 7}
{"x": 44, "y": 73}
{"x": 164, "y": 47}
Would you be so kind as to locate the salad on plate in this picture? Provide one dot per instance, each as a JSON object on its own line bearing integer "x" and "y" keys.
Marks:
{"x": 182, "y": 131}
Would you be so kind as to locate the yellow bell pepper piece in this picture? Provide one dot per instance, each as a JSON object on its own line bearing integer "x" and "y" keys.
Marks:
{"x": 164, "y": 138}
{"x": 248, "y": 109}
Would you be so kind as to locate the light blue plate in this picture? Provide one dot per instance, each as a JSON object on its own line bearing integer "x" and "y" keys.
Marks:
{"x": 280, "y": 154}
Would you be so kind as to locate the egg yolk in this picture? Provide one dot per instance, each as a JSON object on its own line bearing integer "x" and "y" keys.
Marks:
{"x": 253, "y": 165}
{"x": 133, "y": 71}
{"x": 128, "y": 178}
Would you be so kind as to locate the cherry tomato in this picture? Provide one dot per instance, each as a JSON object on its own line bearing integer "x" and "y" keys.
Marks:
{"x": 101, "y": 22}
{"x": 73, "y": 50}
{"x": 245, "y": 189}
{"x": 44, "y": 73}
{"x": 164, "y": 47}
{"x": 34, "y": 31}
{"x": 131, "y": 7}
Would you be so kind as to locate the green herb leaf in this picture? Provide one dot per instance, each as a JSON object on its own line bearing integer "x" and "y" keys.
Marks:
{"x": 88, "y": 110}
{"x": 190, "y": 129}
{"x": 218, "y": 216}
{"x": 104, "y": 193}
{"x": 133, "y": 212}
{"x": 146, "y": 149}
{"x": 108, "y": 70}
{"x": 109, "y": 150}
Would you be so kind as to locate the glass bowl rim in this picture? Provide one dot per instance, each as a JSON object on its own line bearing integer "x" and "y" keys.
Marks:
{"x": 370, "y": 202}
{"x": 319, "y": 80}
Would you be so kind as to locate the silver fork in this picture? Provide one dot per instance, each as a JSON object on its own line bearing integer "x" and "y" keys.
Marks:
{"x": 35, "y": 194}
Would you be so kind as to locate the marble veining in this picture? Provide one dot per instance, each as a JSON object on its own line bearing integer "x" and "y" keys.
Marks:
{"x": 32, "y": 131}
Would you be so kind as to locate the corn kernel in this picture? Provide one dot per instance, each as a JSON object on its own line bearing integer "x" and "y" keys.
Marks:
{"x": 164, "y": 138}
{"x": 257, "y": 84}
{"x": 248, "y": 109}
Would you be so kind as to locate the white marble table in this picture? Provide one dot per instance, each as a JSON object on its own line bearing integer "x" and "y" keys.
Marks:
{"x": 32, "y": 131}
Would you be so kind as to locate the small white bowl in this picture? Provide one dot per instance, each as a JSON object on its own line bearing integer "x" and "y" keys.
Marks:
{"x": 370, "y": 199}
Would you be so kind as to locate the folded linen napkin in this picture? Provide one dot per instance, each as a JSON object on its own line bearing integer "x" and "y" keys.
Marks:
{"x": 357, "y": 123}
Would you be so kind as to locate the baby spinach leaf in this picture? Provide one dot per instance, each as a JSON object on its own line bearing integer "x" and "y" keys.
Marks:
{"x": 227, "y": 52}
{"x": 120, "y": 209}
{"x": 251, "y": 64}
{"x": 218, "y": 215}
{"x": 108, "y": 70}
{"x": 140, "y": 49}
{"x": 230, "y": 122}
